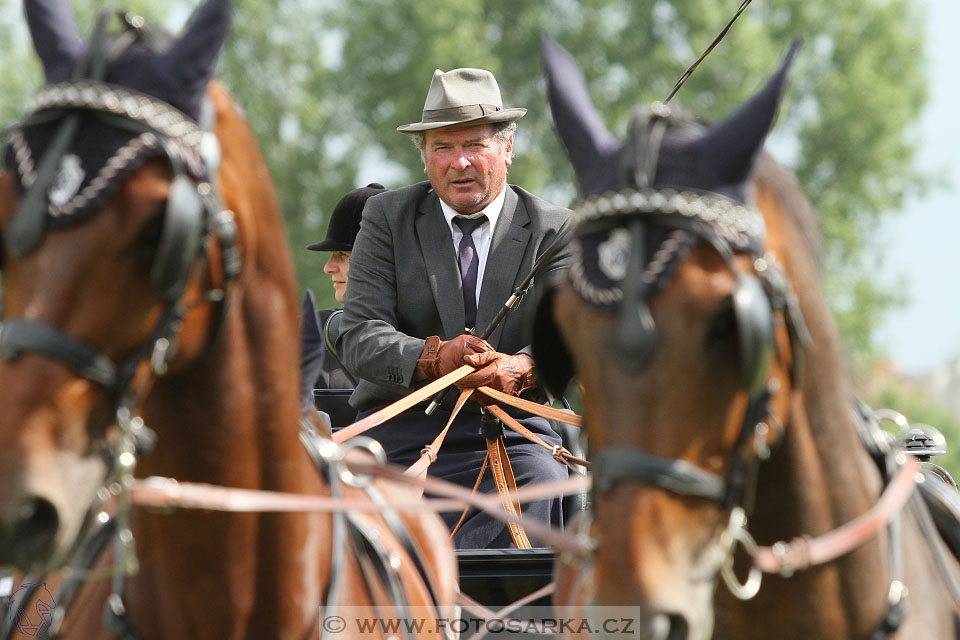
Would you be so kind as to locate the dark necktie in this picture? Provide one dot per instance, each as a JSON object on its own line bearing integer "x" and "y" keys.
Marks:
{"x": 469, "y": 266}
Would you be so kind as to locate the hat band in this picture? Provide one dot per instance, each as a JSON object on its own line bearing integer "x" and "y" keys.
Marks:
{"x": 458, "y": 114}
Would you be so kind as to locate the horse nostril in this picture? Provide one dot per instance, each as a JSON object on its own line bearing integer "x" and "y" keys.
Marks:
{"x": 36, "y": 524}
{"x": 668, "y": 627}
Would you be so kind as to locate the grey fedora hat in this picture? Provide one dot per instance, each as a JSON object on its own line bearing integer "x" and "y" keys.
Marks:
{"x": 462, "y": 96}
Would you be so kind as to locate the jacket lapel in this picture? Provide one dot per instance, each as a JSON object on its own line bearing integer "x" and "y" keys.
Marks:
{"x": 510, "y": 240}
{"x": 440, "y": 260}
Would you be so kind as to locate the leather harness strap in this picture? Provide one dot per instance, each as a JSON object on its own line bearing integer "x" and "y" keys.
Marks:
{"x": 473, "y": 493}
{"x": 506, "y": 483}
{"x": 806, "y": 551}
{"x": 401, "y": 405}
{"x": 560, "y": 454}
{"x": 429, "y": 453}
{"x": 566, "y": 417}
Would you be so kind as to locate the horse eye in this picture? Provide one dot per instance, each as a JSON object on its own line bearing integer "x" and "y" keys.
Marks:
{"x": 723, "y": 324}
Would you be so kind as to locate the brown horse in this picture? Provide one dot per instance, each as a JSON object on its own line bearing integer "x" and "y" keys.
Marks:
{"x": 712, "y": 390}
{"x": 154, "y": 287}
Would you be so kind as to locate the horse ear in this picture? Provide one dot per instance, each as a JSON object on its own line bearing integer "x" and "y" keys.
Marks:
{"x": 192, "y": 60}
{"x": 592, "y": 149}
{"x": 731, "y": 145}
{"x": 55, "y": 36}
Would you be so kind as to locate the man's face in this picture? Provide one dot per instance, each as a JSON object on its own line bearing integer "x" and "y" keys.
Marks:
{"x": 467, "y": 166}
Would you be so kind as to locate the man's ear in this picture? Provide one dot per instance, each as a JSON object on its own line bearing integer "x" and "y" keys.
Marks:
{"x": 508, "y": 152}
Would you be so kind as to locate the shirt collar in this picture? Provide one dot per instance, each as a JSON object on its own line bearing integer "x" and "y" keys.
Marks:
{"x": 492, "y": 210}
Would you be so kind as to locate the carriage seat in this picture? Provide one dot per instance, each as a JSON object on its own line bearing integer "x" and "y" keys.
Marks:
{"x": 335, "y": 403}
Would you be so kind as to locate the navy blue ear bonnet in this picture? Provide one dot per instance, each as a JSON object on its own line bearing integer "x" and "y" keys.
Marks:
{"x": 664, "y": 148}
{"x": 646, "y": 200}
{"x": 145, "y": 74}
{"x": 669, "y": 162}
{"x": 99, "y": 159}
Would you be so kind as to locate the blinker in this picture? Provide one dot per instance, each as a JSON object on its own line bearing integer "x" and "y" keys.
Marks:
{"x": 755, "y": 329}
{"x": 179, "y": 240}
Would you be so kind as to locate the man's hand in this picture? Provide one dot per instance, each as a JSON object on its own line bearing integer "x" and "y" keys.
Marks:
{"x": 510, "y": 374}
{"x": 440, "y": 357}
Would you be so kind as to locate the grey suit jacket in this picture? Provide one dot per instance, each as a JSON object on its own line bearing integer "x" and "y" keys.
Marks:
{"x": 405, "y": 284}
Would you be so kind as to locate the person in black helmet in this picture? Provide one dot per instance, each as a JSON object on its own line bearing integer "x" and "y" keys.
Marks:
{"x": 320, "y": 368}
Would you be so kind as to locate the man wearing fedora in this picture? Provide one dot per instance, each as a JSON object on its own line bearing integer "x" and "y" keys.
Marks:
{"x": 319, "y": 366}
{"x": 432, "y": 265}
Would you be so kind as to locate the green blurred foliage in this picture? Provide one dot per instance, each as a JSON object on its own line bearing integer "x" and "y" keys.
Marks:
{"x": 335, "y": 79}
{"x": 324, "y": 84}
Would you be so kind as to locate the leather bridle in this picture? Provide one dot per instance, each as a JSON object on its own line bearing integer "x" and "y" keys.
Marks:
{"x": 723, "y": 225}
{"x": 729, "y": 228}
{"x": 720, "y": 223}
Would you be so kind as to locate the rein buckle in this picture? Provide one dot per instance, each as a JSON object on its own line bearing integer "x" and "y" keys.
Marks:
{"x": 736, "y": 532}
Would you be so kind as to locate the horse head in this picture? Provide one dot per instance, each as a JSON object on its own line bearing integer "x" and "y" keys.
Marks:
{"x": 672, "y": 315}
{"x": 115, "y": 255}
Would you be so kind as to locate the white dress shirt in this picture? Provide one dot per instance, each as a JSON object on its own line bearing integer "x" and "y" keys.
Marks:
{"x": 482, "y": 235}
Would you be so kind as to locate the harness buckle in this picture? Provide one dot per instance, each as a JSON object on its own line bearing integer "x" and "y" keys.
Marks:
{"x": 558, "y": 452}
{"x": 898, "y": 592}
{"x": 159, "y": 359}
{"x": 760, "y": 431}
{"x": 736, "y": 532}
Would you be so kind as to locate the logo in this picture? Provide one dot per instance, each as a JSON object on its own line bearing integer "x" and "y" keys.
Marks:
{"x": 33, "y": 621}
{"x": 614, "y": 254}
{"x": 68, "y": 180}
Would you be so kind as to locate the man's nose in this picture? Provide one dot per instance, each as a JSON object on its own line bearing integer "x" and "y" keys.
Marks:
{"x": 461, "y": 162}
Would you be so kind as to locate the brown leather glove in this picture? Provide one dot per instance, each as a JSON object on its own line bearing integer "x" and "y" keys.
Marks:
{"x": 510, "y": 374}
{"x": 440, "y": 357}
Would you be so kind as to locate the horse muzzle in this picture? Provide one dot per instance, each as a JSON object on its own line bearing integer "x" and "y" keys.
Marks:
{"x": 46, "y": 488}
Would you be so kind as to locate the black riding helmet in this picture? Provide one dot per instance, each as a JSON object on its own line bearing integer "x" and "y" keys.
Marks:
{"x": 345, "y": 219}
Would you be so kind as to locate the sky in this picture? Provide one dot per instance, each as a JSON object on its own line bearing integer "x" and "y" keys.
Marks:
{"x": 921, "y": 243}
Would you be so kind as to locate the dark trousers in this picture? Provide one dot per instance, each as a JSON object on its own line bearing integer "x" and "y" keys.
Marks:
{"x": 460, "y": 459}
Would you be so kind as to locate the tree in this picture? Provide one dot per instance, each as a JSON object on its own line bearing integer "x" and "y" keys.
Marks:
{"x": 324, "y": 84}
{"x": 340, "y": 78}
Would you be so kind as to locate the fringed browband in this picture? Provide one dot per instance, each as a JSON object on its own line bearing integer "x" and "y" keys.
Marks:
{"x": 100, "y": 96}
{"x": 742, "y": 227}
{"x": 103, "y": 153}
{"x": 601, "y": 245}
